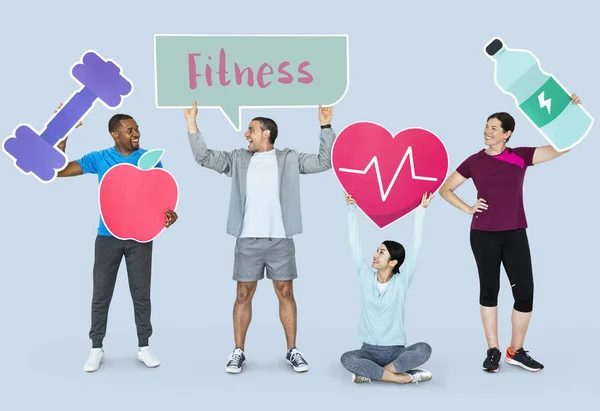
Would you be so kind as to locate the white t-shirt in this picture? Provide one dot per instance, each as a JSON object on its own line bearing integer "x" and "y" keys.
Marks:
{"x": 262, "y": 211}
{"x": 382, "y": 286}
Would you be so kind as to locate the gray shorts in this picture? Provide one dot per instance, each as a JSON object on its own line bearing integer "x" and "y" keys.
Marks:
{"x": 253, "y": 255}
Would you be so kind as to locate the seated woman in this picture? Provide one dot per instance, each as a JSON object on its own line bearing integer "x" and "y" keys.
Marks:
{"x": 384, "y": 355}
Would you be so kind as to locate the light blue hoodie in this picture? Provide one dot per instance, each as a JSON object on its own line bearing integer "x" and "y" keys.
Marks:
{"x": 382, "y": 314}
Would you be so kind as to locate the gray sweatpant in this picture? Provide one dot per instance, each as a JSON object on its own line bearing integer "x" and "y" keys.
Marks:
{"x": 370, "y": 359}
{"x": 109, "y": 252}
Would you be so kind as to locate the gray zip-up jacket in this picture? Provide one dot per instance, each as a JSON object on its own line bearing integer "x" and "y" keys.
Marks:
{"x": 290, "y": 164}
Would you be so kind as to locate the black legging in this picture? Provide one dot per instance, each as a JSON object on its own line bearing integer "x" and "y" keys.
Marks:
{"x": 510, "y": 248}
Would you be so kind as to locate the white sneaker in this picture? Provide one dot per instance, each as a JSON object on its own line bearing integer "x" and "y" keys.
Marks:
{"x": 235, "y": 362}
{"x": 147, "y": 357}
{"x": 357, "y": 379}
{"x": 94, "y": 360}
{"x": 418, "y": 375}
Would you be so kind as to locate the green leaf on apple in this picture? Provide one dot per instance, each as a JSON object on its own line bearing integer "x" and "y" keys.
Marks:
{"x": 150, "y": 159}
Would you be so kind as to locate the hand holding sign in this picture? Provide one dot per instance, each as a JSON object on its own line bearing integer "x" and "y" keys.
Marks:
{"x": 325, "y": 115}
{"x": 231, "y": 72}
{"x": 63, "y": 144}
{"x": 190, "y": 113}
{"x": 425, "y": 199}
{"x": 170, "y": 218}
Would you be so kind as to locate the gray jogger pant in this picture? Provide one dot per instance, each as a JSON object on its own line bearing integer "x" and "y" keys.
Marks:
{"x": 370, "y": 359}
{"x": 109, "y": 252}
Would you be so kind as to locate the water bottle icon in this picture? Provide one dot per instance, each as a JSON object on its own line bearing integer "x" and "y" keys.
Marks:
{"x": 539, "y": 96}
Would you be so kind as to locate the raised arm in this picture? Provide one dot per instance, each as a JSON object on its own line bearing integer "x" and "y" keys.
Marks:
{"x": 355, "y": 246}
{"x": 73, "y": 168}
{"x": 412, "y": 254}
{"x": 219, "y": 161}
{"x": 546, "y": 153}
{"x": 317, "y": 163}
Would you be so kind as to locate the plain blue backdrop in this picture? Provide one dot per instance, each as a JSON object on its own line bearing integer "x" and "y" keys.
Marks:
{"x": 412, "y": 64}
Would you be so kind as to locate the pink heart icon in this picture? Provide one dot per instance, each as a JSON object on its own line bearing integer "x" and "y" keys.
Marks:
{"x": 387, "y": 175}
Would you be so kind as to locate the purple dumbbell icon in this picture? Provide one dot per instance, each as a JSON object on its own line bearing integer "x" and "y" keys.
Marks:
{"x": 38, "y": 154}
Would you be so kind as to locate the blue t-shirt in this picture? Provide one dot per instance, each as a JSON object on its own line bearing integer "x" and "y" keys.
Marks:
{"x": 381, "y": 319}
{"x": 98, "y": 162}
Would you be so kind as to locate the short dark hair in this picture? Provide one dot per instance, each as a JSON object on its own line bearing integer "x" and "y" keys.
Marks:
{"x": 115, "y": 121}
{"x": 268, "y": 124}
{"x": 397, "y": 252}
{"x": 507, "y": 122}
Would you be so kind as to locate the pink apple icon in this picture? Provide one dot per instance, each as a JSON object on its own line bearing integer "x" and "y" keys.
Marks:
{"x": 133, "y": 199}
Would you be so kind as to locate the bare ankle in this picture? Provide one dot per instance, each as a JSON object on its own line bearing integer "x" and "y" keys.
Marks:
{"x": 404, "y": 378}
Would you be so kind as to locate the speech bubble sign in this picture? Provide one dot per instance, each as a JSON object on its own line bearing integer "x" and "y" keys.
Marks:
{"x": 133, "y": 199}
{"x": 37, "y": 153}
{"x": 388, "y": 174}
{"x": 539, "y": 96}
{"x": 231, "y": 72}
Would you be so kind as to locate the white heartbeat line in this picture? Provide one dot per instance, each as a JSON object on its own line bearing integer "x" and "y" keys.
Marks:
{"x": 375, "y": 162}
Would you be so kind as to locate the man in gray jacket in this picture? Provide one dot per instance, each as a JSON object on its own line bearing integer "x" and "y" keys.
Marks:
{"x": 264, "y": 215}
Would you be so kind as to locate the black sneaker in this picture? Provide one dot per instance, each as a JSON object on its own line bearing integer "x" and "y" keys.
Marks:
{"x": 522, "y": 359}
{"x": 492, "y": 361}
{"x": 236, "y": 361}
{"x": 295, "y": 359}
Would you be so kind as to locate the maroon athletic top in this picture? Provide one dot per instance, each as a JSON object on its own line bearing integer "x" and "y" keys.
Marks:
{"x": 499, "y": 181}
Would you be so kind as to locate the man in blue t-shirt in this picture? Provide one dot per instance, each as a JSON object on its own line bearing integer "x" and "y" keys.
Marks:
{"x": 109, "y": 250}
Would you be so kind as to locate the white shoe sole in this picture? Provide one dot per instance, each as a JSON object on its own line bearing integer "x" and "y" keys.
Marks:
{"x": 299, "y": 369}
{"x": 233, "y": 370}
{"x": 149, "y": 366}
{"x": 491, "y": 371}
{"x": 513, "y": 362}
{"x": 96, "y": 369}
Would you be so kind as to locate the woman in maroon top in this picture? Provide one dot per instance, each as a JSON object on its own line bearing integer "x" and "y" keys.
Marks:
{"x": 498, "y": 231}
